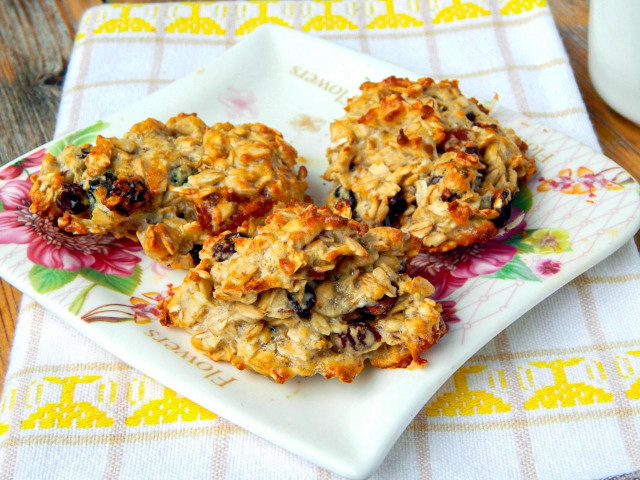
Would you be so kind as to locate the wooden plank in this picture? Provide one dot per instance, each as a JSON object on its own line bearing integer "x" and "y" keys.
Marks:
{"x": 35, "y": 43}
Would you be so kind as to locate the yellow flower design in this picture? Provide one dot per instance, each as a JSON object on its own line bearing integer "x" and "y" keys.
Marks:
{"x": 549, "y": 240}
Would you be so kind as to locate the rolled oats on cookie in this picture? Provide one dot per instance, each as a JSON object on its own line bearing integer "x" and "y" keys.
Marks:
{"x": 309, "y": 292}
{"x": 169, "y": 186}
{"x": 423, "y": 157}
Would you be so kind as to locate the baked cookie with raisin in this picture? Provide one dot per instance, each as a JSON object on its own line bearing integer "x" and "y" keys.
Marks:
{"x": 422, "y": 156}
{"x": 169, "y": 186}
{"x": 309, "y": 292}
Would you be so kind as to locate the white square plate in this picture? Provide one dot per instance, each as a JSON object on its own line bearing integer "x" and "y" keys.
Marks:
{"x": 580, "y": 208}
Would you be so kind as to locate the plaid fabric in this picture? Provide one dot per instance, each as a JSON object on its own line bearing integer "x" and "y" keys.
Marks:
{"x": 556, "y": 395}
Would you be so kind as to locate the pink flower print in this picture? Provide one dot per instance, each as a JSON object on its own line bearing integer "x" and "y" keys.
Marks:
{"x": 547, "y": 268}
{"x": 34, "y": 159}
{"x": 10, "y": 172}
{"x": 449, "y": 313}
{"x": 450, "y": 270}
{"x": 586, "y": 181}
{"x": 239, "y": 103}
{"x": 51, "y": 247}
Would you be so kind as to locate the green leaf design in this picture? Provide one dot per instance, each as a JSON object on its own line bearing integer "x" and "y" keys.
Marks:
{"x": 125, "y": 285}
{"x": 524, "y": 199}
{"x": 542, "y": 241}
{"x": 86, "y": 135}
{"x": 1, "y": 206}
{"x": 45, "y": 279}
{"x": 516, "y": 269}
{"x": 517, "y": 241}
{"x": 78, "y": 302}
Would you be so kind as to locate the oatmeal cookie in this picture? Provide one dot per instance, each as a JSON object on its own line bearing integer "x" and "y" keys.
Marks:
{"x": 421, "y": 156}
{"x": 308, "y": 292}
{"x": 169, "y": 186}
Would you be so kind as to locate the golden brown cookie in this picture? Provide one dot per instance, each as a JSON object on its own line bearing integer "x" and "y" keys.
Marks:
{"x": 169, "y": 186}
{"x": 309, "y": 292}
{"x": 421, "y": 156}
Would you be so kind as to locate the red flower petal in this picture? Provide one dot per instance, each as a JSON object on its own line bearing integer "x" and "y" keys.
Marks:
{"x": 116, "y": 262}
{"x": 34, "y": 159}
{"x": 9, "y": 172}
{"x": 13, "y": 230}
{"x": 52, "y": 256}
{"x": 15, "y": 194}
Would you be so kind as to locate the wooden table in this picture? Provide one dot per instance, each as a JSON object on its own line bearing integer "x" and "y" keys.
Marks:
{"x": 36, "y": 40}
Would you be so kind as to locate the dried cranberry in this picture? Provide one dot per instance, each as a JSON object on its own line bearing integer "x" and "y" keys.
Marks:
{"x": 397, "y": 206}
{"x": 303, "y": 308}
{"x": 226, "y": 247}
{"x": 72, "y": 198}
{"x": 128, "y": 195}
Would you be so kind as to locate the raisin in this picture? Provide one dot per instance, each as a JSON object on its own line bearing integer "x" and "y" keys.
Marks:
{"x": 226, "y": 247}
{"x": 472, "y": 150}
{"x": 195, "y": 253}
{"x": 448, "y": 196}
{"x": 471, "y": 116}
{"x": 503, "y": 217}
{"x": 127, "y": 195}
{"x": 344, "y": 194}
{"x": 83, "y": 153}
{"x": 359, "y": 315}
{"x": 72, "y": 198}
{"x": 357, "y": 336}
{"x": 452, "y": 139}
{"x": 303, "y": 308}
{"x": 403, "y": 266}
{"x": 402, "y": 138}
{"x": 397, "y": 206}
{"x": 382, "y": 307}
{"x": 106, "y": 182}
{"x": 434, "y": 179}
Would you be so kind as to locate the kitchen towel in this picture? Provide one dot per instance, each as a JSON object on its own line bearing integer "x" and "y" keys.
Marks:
{"x": 554, "y": 396}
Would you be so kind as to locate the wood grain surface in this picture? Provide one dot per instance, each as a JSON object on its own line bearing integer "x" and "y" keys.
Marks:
{"x": 35, "y": 42}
